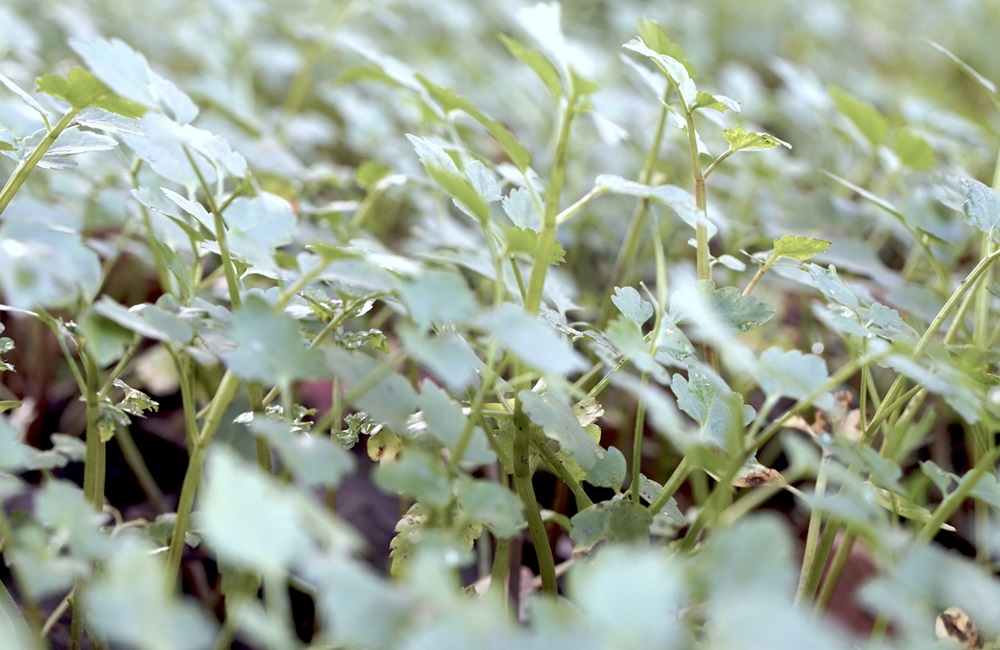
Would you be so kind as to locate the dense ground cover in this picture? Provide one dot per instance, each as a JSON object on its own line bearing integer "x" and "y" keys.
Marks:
{"x": 375, "y": 325}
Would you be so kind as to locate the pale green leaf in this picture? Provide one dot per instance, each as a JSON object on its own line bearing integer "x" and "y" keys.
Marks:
{"x": 617, "y": 520}
{"x": 609, "y": 471}
{"x": 981, "y": 205}
{"x": 793, "y": 374}
{"x": 390, "y": 399}
{"x": 913, "y": 150}
{"x": 438, "y": 297}
{"x": 247, "y": 518}
{"x": 452, "y": 101}
{"x": 558, "y": 421}
{"x": 632, "y": 305}
{"x": 718, "y": 411}
{"x": 416, "y": 473}
{"x": 799, "y": 248}
{"x": 863, "y": 115}
{"x": 531, "y": 340}
{"x": 130, "y": 604}
{"x": 493, "y": 505}
{"x": 537, "y": 62}
{"x": 268, "y": 346}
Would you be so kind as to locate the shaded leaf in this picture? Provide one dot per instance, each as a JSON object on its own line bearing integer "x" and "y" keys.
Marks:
{"x": 493, "y": 505}
{"x": 551, "y": 412}
{"x": 269, "y": 346}
{"x": 981, "y": 205}
{"x": 531, "y": 340}
{"x": 633, "y": 306}
{"x": 617, "y": 520}
{"x": 438, "y": 297}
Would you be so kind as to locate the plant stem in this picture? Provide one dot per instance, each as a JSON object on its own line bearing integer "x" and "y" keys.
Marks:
{"x": 223, "y": 396}
{"x": 526, "y": 491}
{"x": 683, "y": 470}
{"x": 946, "y": 310}
{"x": 836, "y": 570}
{"x": 813, "y": 531}
{"x": 547, "y": 236}
{"x": 20, "y": 174}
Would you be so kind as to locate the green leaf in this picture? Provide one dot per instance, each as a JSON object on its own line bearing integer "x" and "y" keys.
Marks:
{"x": 628, "y": 339}
{"x": 438, "y": 297}
{"x": 719, "y": 103}
{"x": 350, "y": 596}
{"x": 128, "y": 74}
{"x": 270, "y": 540}
{"x": 268, "y": 346}
{"x": 452, "y": 101}
{"x": 443, "y": 415}
{"x": 40, "y": 563}
{"x": 656, "y": 39}
{"x": 30, "y": 279}
{"x": 650, "y": 489}
{"x": 416, "y": 473}
{"x": 15, "y": 456}
{"x": 531, "y": 340}
{"x": 913, "y": 150}
{"x": 313, "y": 460}
{"x": 981, "y": 206}
{"x": 609, "y": 471}
{"x": 866, "y": 117}
{"x": 258, "y": 226}
{"x": 520, "y": 207}
{"x": 525, "y": 241}
{"x": 447, "y": 355}
{"x": 80, "y": 89}
{"x": 799, "y": 248}
{"x": 495, "y": 506}
{"x": 390, "y": 399}
{"x": 130, "y": 603}
{"x": 885, "y": 322}
{"x": 630, "y": 597}
{"x": 558, "y": 421}
{"x": 62, "y": 507}
{"x": 676, "y": 198}
{"x": 726, "y": 304}
{"x": 740, "y": 140}
{"x": 674, "y": 69}
{"x": 537, "y": 62}
{"x": 793, "y": 374}
{"x": 166, "y": 145}
{"x": 25, "y": 97}
{"x": 617, "y": 520}
{"x": 718, "y": 411}
{"x": 146, "y": 320}
{"x": 633, "y": 306}
{"x": 105, "y": 339}
{"x": 440, "y": 167}
{"x": 830, "y": 285}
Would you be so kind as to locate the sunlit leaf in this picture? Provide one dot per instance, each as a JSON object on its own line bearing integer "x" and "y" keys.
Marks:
{"x": 740, "y": 140}
{"x": 799, "y": 248}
